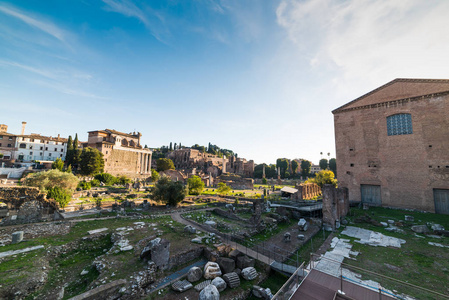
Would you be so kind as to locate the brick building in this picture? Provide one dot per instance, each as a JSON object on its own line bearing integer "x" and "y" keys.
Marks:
{"x": 123, "y": 154}
{"x": 392, "y": 145}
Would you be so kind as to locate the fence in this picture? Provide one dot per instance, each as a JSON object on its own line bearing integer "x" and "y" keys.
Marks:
{"x": 290, "y": 286}
{"x": 385, "y": 286}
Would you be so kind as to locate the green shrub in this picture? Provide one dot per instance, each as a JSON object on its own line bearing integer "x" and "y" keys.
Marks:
{"x": 84, "y": 185}
{"x": 106, "y": 178}
{"x": 95, "y": 182}
{"x": 60, "y": 195}
{"x": 123, "y": 180}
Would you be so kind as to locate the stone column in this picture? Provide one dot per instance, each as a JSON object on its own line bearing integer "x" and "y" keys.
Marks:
{"x": 141, "y": 163}
{"x": 148, "y": 163}
{"x": 145, "y": 164}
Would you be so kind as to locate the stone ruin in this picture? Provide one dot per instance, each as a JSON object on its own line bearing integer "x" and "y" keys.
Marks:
{"x": 158, "y": 251}
{"x": 335, "y": 205}
{"x": 26, "y": 205}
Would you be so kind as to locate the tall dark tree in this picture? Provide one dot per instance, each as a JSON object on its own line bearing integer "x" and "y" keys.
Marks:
{"x": 283, "y": 164}
{"x": 168, "y": 191}
{"x": 91, "y": 161}
{"x": 305, "y": 168}
{"x": 69, "y": 153}
{"x": 171, "y": 146}
{"x": 175, "y": 147}
{"x": 324, "y": 164}
{"x": 333, "y": 165}
{"x": 295, "y": 166}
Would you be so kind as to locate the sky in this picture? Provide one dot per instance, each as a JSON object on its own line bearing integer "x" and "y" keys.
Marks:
{"x": 258, "y": 77}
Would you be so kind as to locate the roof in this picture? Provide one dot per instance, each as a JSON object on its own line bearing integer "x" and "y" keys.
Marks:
{"x": 7, "y": 134}
{"x": 112, "y": 131}
{"x": 289, "y": 190}
{"x": 398, "y": 89}
{"x": 321, "y": 286}
{"x": 41, "y": 137}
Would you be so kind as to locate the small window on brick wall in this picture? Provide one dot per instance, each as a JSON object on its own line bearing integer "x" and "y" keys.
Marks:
{"x": 399, "y": 124}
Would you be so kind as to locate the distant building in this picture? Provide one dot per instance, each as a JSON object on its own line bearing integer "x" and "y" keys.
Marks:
{"x": 41, "y": 148}
{"x": 32, "y": 147}
{"x": 392, "y": 145}
{"x": 123, "y": 153}
{"x": 314, "y": 169}
{"x": 7, "y": 142}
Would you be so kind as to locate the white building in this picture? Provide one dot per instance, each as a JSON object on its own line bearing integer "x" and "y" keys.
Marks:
{"x": 38, "y": 147}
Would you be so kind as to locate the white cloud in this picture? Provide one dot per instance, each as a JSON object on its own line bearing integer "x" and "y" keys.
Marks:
{"x": 44, "y": 26}
{"x": 368, "y": 43}
{"x": 152, "y": 21}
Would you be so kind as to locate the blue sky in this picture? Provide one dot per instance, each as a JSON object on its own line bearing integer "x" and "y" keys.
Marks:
{"x": 258, "y": 77}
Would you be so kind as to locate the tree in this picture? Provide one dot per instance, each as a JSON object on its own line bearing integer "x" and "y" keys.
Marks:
{"x": 106, "y": 178}
{"x": 305, "y": 167}
{"x": 164, "y": 164}
{"x": 223, "y": 189}
{"x": 91, "y": 161}
{"x": 58, "y": 164}
{"x": 60, "y": 195}
{"x": 171, "y": 146}
{"x": 69, "y": 169}
{"x": 123, "y": 180}
{"x": 264, "y": 181}
{"x": 196, "y": 185}
{"x": 323, "y": 164}
{"x": 287, "y": 174}
{"x": 154, "y": 175}
{"x": 50, "y": 179}
{"x": 1, "y": 155}
{"x": 295, "y": 166}
{"x": 73, "y": 153}
{"x": 333, "y": 165}
{"x": 283, "y": 164}
{"x": 325, "y": 177}
{"x": 168, "y": 191}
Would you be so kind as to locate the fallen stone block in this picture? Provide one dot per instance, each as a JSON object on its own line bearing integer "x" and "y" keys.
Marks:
{"x": 95, "y": 231}
{"x": 249, "y": 273}
{"x": 17, "y": 237}
{"x": 194, "y": 274}
{"x": 232, "y": 280}
{"x": 210, "y": 292}
{"x": 181, "y": 286}
{"x": 219, "y": 283}
{"x": 199, "y": 287}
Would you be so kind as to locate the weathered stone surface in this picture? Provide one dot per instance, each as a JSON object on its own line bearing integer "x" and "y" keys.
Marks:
{"x": 15, "y": 252}
{"x": 437, "y": 227}
{"x": 190, "y": 229}
{"x": 238, "y": 271}
{"x": 17, "y": 237}
{"x": 287, "y": 237}
{"x": 420, "y": 228}
{"x": 234, "y": 254}
{"x": 211, "y": 270}
{"x": 300, "y": 237}
{"x": 211, "y": 255}
{"x": 409, "y": 218}
{"x": 232, "y": 279}
{"x": 181, "y": 286}
{"x": 219, "y": 283}
{"x": 227, "y": 265}
{"x": 244, "y": 262}
{"x": 95, "y": 231}
{"x": 211, "y": 223}
{"x": 102, "y": 292}
{"x": 249, "y": 273}
{"x": 157, "y": 250}
{"x": 210, "y": 292}
{"x": 199, "y": 287}
{"x": 194, "y": 274}
{"x": 260, "y": 292}
{"x": 303, "y": 225}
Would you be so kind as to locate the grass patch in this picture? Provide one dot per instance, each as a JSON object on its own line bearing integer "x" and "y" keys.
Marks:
{"x": 416, "y": 262}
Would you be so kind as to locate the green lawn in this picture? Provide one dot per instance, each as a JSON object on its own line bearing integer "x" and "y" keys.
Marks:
{"x": 416, "y": 262}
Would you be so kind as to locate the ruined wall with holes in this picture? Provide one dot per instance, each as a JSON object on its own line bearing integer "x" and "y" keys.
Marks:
{"x": 407, "y": 167}
{"x": 25, "y": 205}
{"x": 122, "y": 162}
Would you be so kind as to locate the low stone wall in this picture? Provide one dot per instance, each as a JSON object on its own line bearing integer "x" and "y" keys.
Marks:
{"x": 184, "y": 257}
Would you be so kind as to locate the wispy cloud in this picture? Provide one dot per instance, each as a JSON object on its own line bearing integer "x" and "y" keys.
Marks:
{"x": 44, "y": 26}
{"x": 369, "y": 42}
{"x": 152, "y": 19}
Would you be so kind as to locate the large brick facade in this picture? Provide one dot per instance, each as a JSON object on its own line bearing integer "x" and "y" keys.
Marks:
{"x": 406, "y": 167}
{"x": 122, "y": 153}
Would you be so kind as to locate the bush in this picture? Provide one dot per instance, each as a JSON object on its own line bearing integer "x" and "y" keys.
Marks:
{"x": 50, "y": 179}
{"x": 264, "y": 181}
{"x": 84, "y": 185}
{"x": 168, "y": 191}
{"x": 123, "y": 180}
{"x": 60, "y": 195}
{"x": 196, "y": 185}
{"x": 106, "y": 178}
{"x": 95, "y": 182}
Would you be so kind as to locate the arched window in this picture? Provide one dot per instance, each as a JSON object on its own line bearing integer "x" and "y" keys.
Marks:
{"x": 23, "y": 146}
{"x": 399, "y": 124}
{"x": 124, "y": 142}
